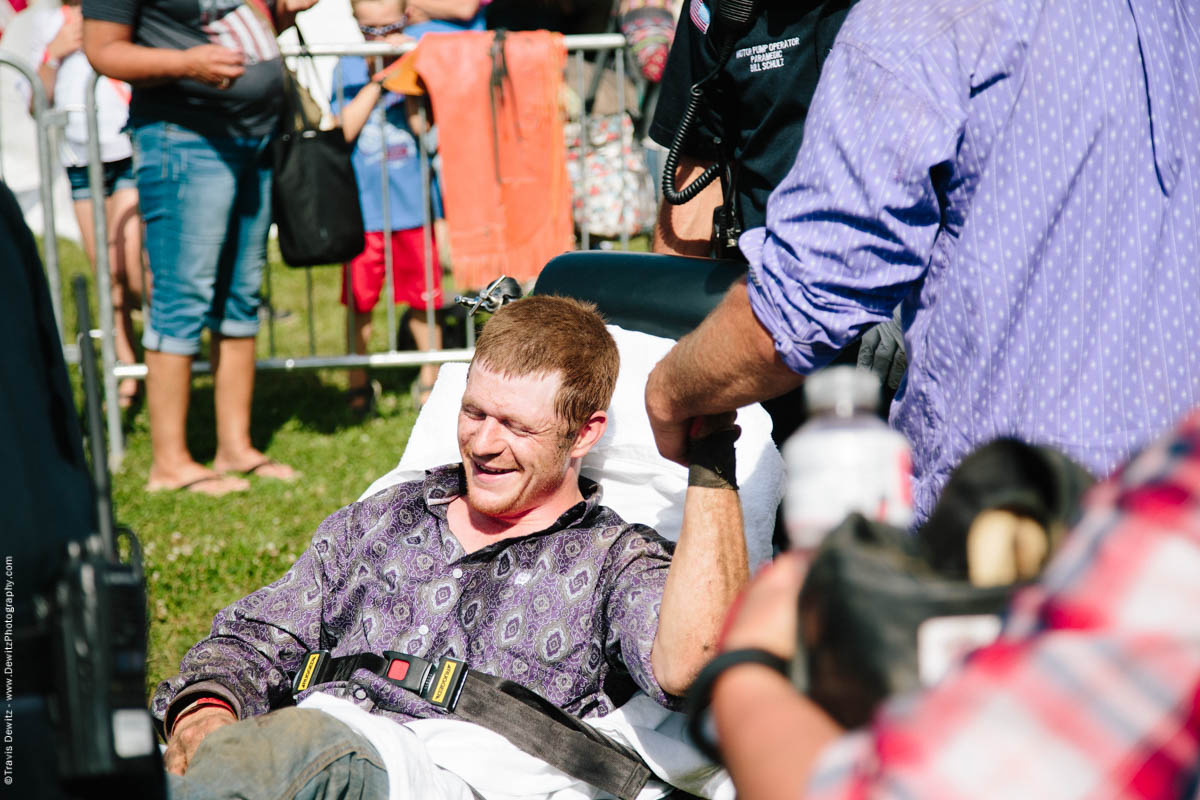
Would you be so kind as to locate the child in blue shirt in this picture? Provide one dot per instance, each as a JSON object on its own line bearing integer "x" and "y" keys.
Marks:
{"x": 383, "y": 132}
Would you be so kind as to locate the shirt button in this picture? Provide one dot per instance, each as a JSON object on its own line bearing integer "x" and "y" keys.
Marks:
{"x": 424, "y": 629}
{"x": 457, "y": 572}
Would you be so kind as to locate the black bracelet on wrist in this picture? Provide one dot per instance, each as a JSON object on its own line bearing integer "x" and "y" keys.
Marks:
{"x": 700, "y": 695}
{"x": 712, "y": 462}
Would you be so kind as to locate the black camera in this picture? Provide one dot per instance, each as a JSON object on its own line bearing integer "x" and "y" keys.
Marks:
{"x": 884, "y": 611}
{"x": 95, "y": 618}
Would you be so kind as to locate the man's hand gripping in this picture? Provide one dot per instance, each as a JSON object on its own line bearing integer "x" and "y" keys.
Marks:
{"x": 191, "y": 726}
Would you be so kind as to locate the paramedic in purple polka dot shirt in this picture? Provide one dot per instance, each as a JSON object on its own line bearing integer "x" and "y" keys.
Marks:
{"x": 1022, "y": 180}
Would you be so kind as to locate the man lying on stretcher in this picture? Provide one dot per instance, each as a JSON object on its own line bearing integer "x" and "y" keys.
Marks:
{"x": 506, "y": 562}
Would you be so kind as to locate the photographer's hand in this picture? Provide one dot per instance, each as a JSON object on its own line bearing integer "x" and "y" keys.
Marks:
{"x": 770, "y": 734}
{"x": 765, "y": 616}
{"x": 190, "y": 729}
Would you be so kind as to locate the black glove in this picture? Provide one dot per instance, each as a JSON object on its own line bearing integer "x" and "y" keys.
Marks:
{"x": 711, "y": 461}
{"x": 882, "y": 351}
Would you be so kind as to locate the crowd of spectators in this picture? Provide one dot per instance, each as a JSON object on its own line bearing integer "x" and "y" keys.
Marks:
{"x": 197, "y": 84}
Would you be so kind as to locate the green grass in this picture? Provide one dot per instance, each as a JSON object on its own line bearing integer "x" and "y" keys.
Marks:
{"x": 202, "y": 553}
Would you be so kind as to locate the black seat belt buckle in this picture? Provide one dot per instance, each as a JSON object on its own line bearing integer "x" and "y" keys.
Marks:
{"x": 312, "y": 670}
{"x": 447, "y": 684}
{"x": 407, "y": 672}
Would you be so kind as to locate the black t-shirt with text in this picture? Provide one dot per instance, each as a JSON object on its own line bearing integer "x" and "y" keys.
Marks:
{"x": 762, "y": 97}
{"x": 250, "y": 107}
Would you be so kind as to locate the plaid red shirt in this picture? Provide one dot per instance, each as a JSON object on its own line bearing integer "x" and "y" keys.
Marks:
{"x": 1093, "y": 689}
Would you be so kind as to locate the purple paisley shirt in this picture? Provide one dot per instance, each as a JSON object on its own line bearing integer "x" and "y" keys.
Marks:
{"x": 570, "y": 612}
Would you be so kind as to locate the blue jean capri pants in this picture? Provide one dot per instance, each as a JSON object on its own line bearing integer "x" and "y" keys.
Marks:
{"x": 206, "y": 203}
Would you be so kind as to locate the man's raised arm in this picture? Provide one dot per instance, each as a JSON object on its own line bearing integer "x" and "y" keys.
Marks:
{"x": 709, "y": 567}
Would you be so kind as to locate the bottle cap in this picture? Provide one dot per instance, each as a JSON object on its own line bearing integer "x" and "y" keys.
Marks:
{"x": 842, "y": 390}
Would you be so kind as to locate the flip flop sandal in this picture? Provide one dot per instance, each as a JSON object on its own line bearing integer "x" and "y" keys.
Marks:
{"x": 191, "y": 485}
{"x": 266, "y": 462}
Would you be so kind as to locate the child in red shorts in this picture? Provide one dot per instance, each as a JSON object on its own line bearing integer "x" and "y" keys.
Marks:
{"x": 367, "y": 275}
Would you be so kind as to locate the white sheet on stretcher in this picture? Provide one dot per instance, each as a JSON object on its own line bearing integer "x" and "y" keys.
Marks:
{"x": 641, "y": 486}
{"x": 437, "y": 759}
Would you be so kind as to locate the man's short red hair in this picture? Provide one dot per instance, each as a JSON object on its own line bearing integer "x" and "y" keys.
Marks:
{"x": 545, "y": 334}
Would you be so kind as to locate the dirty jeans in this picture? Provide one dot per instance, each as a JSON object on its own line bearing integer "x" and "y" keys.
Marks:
{"x": 289, "y": 754}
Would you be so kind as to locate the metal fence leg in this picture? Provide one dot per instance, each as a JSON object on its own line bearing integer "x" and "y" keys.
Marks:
{"x": 389, "y": 256}
{"x": 108, "y": 350}
{"x": 626, "y": 185}
{"x": 427, "y": 233}
{"x": 270, "y": 306}
{"x": 312, "y": 312}
{"x": 351, "y": 308}
{"x": 584, "y": 147}
{"x": 347, "y": 274}
{"x": 49, "y": 226}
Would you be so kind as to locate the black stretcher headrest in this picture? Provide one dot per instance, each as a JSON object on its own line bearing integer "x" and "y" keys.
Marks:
{"x": 656, "y": 294}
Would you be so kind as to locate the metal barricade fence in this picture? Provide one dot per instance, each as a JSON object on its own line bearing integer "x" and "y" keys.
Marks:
{"x": 578, "y": 46}
{"x": 49, "y": 122}
{"x": 45, "y": 124}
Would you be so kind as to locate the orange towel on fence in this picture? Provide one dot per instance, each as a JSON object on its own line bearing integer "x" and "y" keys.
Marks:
{"x": 511, "y": 216}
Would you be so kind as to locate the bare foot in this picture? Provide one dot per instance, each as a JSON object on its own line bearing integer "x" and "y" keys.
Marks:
{"x": 199, "y": 480}
{"x": 256, "y": 463}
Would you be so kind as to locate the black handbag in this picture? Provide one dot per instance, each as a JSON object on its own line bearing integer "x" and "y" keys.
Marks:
{"x": 315, "y": 195}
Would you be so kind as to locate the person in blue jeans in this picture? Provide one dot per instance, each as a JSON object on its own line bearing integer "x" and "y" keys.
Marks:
{"x": 208, "y": 79}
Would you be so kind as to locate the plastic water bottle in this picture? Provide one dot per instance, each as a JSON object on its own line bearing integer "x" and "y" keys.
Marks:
{"x": 844, "y": 459}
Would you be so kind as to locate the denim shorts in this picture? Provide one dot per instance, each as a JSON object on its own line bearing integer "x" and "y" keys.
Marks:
{"x": 118, "y": 175}
{"x": 206, "y": 203}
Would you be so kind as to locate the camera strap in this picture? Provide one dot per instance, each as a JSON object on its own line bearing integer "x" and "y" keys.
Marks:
{"x": 526, "y": 719}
